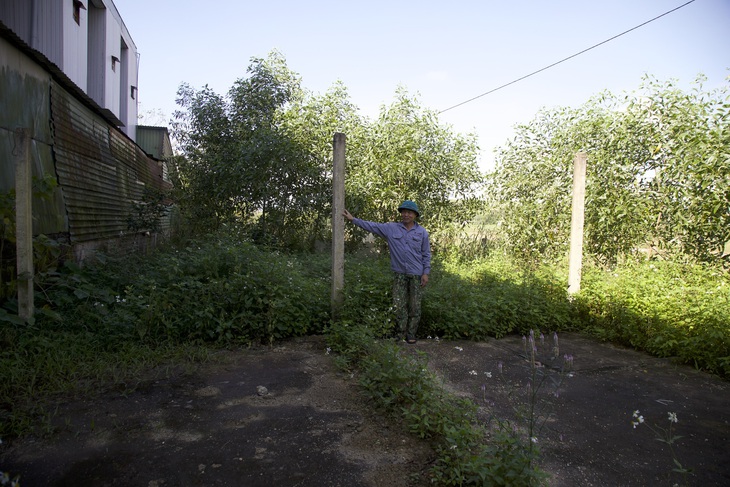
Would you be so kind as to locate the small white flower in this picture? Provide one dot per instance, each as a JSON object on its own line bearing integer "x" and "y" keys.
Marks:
{"x": 488, "y": 374}
{"x": 636, "y": 414}
{"x": 459, "y": 349}
{"x": 328, "y": 351}
{"x": 533, "y": 439}
{"x": 473, "y": 372}
{"x": 673, "y": 417}
{"x": 453, "y": 447}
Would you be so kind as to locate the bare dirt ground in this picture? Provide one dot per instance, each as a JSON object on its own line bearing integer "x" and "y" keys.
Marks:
{"x": 287, "y": 416}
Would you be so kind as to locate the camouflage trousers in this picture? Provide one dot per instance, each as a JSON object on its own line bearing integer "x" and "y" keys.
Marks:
{"x": 407, "y": 292}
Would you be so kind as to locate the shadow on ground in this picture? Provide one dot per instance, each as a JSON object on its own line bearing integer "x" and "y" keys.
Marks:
{"x": 287, "y": 416}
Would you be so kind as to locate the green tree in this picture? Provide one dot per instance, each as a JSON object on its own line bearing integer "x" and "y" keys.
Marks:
{"x": 658, "y": 171}
{"x": 243, "y": 159}
{"x": 203, "y": 171}
{"x": 408, "y": 154}
{"x": 690, "y": 165}
{"x": 263, "y": 155}
{"x": 311, "y": 123}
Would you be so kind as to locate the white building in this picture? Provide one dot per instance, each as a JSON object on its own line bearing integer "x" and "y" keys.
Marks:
{"x": 68, "y": 78}
{"x": 89, "y": 43}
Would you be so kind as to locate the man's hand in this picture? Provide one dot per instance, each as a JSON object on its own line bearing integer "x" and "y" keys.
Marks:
{"x": 347, "y": 215}
{"x": 424, "y": 280}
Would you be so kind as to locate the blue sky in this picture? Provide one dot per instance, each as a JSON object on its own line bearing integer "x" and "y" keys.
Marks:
{"x": 446, "y": 52}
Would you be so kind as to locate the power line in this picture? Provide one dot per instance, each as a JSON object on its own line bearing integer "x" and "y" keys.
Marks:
{"x": 565, "y": 59}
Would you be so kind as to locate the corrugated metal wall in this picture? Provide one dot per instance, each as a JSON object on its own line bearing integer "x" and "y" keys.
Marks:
{"x": 24, "y": 98}
{"x": 102, "y": 172}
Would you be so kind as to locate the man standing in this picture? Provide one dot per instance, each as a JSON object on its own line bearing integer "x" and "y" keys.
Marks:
{"x": 410, "y": 260}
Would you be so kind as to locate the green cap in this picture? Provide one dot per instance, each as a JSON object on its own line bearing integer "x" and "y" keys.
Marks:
{"x": 409, "y": 205}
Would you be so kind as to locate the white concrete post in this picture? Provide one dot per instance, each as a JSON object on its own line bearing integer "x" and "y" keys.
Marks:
{"x": 338, "y": 224}
{"x": 576, "y": 223}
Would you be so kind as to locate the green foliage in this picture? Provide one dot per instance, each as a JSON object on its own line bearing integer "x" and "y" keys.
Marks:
{"x": 368, "y": 295}
{"x": 408, "y": 154}
{"x": 401, "y": 385}
{"x": 691, "y": 162}
{"x": 658, "y": 173}
{"x": 465, "y": 299}
{"x": 220, "y": 290}
{"x": 46, "y": 252}
{"x": 492, "y": 298}
{"x": 107, "y": 321}
{"x": 266, "y": 150}
{"x": 146, "y": 215}
{"x": 502, "y": 461}
{"x": 248, "y": 147}
{"x": 669, "y": 309}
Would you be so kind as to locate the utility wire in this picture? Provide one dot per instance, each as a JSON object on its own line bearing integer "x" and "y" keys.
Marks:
{"x": 565, "y": 59}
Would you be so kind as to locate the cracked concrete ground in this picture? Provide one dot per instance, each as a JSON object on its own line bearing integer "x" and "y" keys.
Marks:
{"x": 287, "y": 416}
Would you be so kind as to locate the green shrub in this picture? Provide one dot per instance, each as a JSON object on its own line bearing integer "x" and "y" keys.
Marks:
{"x": 106, "y": 322}
{"x": 493, "y": 298}
{"x": 669, "y": 309}
{"x": 218, "y": 290}
{"x": 368, "y": 299}
{"x": 401, "y": 385}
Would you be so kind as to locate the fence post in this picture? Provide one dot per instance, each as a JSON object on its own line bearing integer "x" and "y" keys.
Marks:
{"x": 576, "y": 223}
{"x": 24, "y": 222}
{"x": 338, "y": 224}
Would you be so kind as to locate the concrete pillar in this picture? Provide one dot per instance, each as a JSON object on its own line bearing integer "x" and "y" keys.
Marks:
{"x": 24, "y": 222}
{"x": 576, "y": 223}
{"x": 338, "y": 224}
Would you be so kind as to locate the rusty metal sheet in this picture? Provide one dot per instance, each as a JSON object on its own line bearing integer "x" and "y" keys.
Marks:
{"x": 102, "y": 171}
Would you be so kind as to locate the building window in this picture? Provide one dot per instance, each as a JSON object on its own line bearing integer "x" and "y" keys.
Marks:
{"x": 78, "y": 6}
{"x": 134, "y": 92}
{"x": 115, "y": 61}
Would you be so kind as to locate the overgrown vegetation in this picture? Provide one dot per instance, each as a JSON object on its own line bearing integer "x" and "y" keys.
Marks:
{"x": 657, "y": 175}
{"x": 400, "y": 385}
{"x": 225, "y": 291}
{"x": 266, "y": 149}
{"x": 253, "y": 185}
